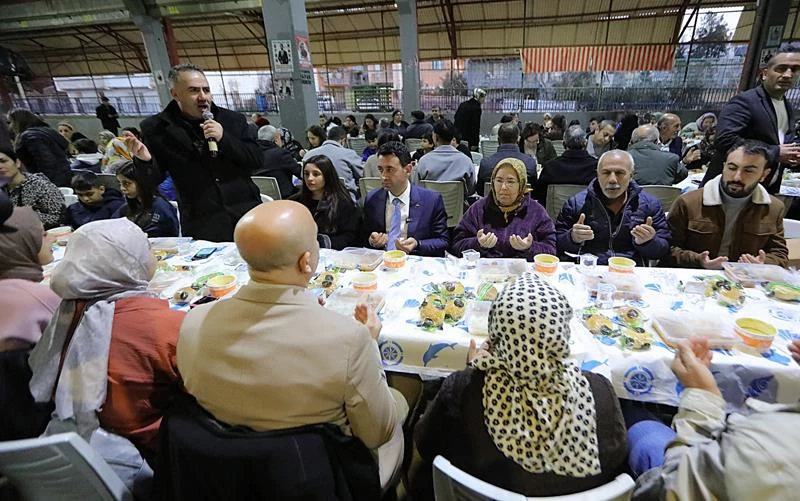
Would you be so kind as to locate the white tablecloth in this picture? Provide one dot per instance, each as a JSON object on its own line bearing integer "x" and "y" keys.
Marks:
{"x": 639, "y": 375}
{"x": 688, "y": 184}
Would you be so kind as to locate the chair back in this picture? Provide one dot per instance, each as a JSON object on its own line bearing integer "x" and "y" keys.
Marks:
{"x": 109, "y": 180}
{"x": 453, "y": 195}
{"x": 413, "y": 144}
{"x": 66, "y": 191}
{"x": 357, "y": 144}
{"x": 489, "y": 147}
{"x": 665, "y": 194}
{"x": 70, "y": 199}
{"x": 452, "y": 484}
{"x": 204, "y": 459}
{"x": 791, "y": 228}
{"x": 268, "y": 186}
{"x": 367, "y": 184}
{"x": 476, "y": 157}
{"x": 557, "y": 195}
{"x": 558, "y": 145}
{"x": 62, "y": 467}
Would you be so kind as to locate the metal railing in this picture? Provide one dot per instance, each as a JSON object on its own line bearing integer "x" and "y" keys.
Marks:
{"x": 339, "y": 101}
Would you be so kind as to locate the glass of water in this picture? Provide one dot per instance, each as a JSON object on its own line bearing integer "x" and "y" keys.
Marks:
{"x": 605, "y": 296}
{"x": 587, "y": 263}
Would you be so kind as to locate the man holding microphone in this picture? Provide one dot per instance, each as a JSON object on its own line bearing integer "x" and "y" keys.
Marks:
{"x": 207, "y": 150}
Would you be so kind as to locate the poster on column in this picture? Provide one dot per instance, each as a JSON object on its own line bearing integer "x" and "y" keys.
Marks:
{"x": 284, "y": 88}
{"x": 303, "y": 52}
{"x": 282, "y": 56}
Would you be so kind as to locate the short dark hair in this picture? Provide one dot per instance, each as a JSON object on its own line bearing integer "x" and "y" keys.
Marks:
{"x": 352, "y": 118}
{"x": 445, "y": 130}
{"x": 784, "y": 49}
{"x": 336, "y": 133}
{"x": 531, "y": 129}
{"x": 387, "y": 136}
{"x": 134, "y": 131}
{"x": 418, "y": 115}
{"x": 370, "y": 135}
{"x": 428, "y": 136}
{"x": 754, "y": 147}
{"x": 176, "y": 70}
{"x": 318, "y": 131}
{"x": 85, "y": 145}
{"x": 103, "y": 99}
{"x": 574, "y": 122}
{"x": 508, "y": 133}
{"x": 506, "y": 118}
{"x": 597, "y": 119}
{"x": 397, "y": 149}
{"x": 85, "y": 181}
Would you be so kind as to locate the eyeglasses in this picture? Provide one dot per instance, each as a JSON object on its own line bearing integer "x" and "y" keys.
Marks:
{"x": 511, "y": 183}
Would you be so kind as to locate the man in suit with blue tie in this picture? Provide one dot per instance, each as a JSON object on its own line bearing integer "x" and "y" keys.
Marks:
{"x": 764, "y": 114}
{"x": 401, "y": 215}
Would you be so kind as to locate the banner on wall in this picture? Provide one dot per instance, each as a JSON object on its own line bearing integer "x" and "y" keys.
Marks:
{"x": 609, "y": 58}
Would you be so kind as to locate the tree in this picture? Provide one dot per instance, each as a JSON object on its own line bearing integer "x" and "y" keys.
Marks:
{"x": 713, "y": 28}
{"x": 453, "y": 84}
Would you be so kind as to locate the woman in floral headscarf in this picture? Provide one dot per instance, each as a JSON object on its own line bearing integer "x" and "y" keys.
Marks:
{"x": 699, "y": 127}
{"x": 521, "y": 417}
{"x": 507, "y": 222}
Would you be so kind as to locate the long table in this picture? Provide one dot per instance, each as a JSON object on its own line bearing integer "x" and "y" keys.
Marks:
{"x": 640, "y": 375}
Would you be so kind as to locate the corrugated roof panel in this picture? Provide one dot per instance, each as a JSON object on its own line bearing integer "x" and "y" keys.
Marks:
{"x": 744, "y": 28}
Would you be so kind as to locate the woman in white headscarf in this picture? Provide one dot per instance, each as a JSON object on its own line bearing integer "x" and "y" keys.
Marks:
{"x": 522, "y": 417}
{"x": 118, "y": 371}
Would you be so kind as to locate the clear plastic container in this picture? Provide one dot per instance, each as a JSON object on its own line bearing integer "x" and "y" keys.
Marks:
{"x": 501, "y": 269}
{"x": 750, "y": 275}
{"x": 355, "y": 258}
{"x": 344, "y": 301}
{"x": 477, "y": 317}
{"x": 675, "y": 326}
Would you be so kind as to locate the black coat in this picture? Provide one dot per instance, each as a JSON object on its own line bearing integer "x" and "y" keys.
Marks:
{"x": 107, "y": 115}
{"x": 213, "y": 193}
{"x": 417, "y": 129}
{"x": 280, "y": 164}
{"x": 750, "y": 115}
{"x": 468, "y": 121}
{"x": 572, "y": 167}
{"x": 42, "y": 149}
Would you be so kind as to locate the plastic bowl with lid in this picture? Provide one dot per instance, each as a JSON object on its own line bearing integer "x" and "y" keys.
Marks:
{"x": 62, "y": 234}
{"x": 220, "y": 285}
{"x": 755, "y": 333}
{"x": 365, "y": 281}
{"x": 545, "y": 263}
{"x": 394, "y": 259}
{"x": 619, "y": 264}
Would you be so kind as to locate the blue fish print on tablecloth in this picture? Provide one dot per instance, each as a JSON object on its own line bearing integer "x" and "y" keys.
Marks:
{"x": 788, "y": 335}
{"x": 401, "y": 282}
{"x": 566, "y": 277}
{"x": 677, "y": 305}
{"x": 653, "y": 287}
{"x": 609, "y": 341}
{"x": 434, "y": 350}
{"x": 776, "y": 357}
{"x": 588, "y": 365}
{"x": 411, "y": 303}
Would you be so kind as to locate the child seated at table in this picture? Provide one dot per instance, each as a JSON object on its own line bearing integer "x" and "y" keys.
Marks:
{"x": 95, "y": 201}
{"x": 145, "y": 206}
{"x": 372, "y": 144}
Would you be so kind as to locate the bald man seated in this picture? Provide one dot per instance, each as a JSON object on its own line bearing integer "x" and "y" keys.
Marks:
{"x": 271, "y": 357}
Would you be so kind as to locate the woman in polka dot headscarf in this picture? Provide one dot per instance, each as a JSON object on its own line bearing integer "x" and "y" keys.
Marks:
{"x": 521, "y": 417}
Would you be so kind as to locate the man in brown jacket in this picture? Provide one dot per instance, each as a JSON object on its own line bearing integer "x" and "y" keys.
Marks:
{"x": 732, "y": 218}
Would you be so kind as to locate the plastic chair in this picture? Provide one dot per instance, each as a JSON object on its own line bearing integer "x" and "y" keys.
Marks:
{"x": 665, "y": 194}
{"x": 62, "y": 467}
{"x": 70, "y": 199}
{"x": 174, "y": 203}
{"x": 357, "y": 144}
{"x": 268, "y": 186}
{"x": 558, "y": 145}
{"x": 557, "y": 195}
{"x": 489, "y": 147}
{"x": 66, "y": 191}
{"x": 791, "y": 228}
{"x": 413, "y": 144}
{"x": 476, "y": 157}
{"x": 109, "y": 180}
{"x": 453, "y": 195}
{"x": 365, "y": 185}
{"x": 453, "y": 484}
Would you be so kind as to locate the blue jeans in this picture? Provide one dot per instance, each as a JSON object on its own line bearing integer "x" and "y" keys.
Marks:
{"x": 647, "y": 439}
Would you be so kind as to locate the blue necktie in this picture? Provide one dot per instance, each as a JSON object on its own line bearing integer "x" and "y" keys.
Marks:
{"x": 394, "y": 225}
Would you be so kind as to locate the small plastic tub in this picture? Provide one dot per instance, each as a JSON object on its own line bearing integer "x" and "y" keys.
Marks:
{"x": 545, "y": 263}
{"x": 394, "y": 259}
{"x": 365, "y": 281}
{"x": 220, "y": 285}
{"x": 619, "y": 264}
{"x": 62, "y": 234}
{"x": 755, "y": 333}
{"x": 472, "y": 257}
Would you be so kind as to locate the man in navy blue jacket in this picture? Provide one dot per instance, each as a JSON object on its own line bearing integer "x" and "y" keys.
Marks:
{"x": 401, "y": 215}
{"x": 764, "y": 114}
{"x": 613, "y": 216}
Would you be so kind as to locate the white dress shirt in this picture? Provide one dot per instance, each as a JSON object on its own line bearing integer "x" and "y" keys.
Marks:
{"x": 405, "y": 202}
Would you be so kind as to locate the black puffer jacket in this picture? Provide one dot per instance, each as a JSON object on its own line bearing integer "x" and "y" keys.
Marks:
{"x": 213, "y": 193}
{"x": 43, "y": 150}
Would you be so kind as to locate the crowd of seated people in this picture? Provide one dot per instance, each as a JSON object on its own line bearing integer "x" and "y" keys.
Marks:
{"x": 128, "y": 356}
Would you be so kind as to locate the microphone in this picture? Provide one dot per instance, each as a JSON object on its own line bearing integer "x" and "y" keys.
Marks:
{"x": 212, "y": 143}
